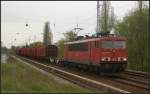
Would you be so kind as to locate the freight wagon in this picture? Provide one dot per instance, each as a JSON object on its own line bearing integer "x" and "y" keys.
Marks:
{"x": 42, "y": 53}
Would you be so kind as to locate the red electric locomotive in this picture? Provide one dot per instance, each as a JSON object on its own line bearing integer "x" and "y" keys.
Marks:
{"x": 105, "y": 53}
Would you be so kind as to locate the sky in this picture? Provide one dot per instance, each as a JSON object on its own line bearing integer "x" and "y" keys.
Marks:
{"x": 62, "y": 15}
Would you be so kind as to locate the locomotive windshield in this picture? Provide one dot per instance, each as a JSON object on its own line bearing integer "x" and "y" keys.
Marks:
{"x": 113, "y": 44}
{"x": 119, "y": 44}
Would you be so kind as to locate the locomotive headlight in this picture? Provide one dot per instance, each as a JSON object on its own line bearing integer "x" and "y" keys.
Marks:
{"x": 119, "y": 59}
{"x": 108, "y": 58}
{"x": 102, "y": 59}
{"x": 105, "y": 59}
{"x": 125, "y": 59}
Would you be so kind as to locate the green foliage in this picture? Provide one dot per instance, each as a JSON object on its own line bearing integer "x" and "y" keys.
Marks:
{"x": 136, "y": 27}
{"x": 13, "y": 49}
{"x": 108, "y": 19}
{"x": 4, "y": 49}
{"x": 60, "y": 45}
{"x": 36, "y": 44}
{"x": 47, "y": 37}
{"x": 70, "y": 36}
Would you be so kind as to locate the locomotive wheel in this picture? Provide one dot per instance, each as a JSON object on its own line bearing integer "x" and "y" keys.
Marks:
{"x": 73, "y": 65}
{"x": 98, "y": 70}
{"x": 83, "y": 68}
{"x": 91, "y": 68}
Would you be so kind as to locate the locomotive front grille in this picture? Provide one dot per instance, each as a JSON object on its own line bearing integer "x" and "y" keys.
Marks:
{"x": 114, "y": 59}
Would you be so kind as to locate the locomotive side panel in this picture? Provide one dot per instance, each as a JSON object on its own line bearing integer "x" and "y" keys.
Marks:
{"x": 78, "y": 52}
{"x": 95, "y": 52}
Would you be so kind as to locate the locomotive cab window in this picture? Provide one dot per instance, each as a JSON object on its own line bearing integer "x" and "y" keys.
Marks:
{"x": 113, "y": 44}
{"x": 96, "y": 44}
{"x": 119, "y": 44}
{"x": 107, "y": 44}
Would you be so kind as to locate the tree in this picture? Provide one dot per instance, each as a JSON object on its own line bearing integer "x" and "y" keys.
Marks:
{"x": 47, "y": 37}
{"x": 140, "y": 4}
{"x": 136, "y": 27}
{"x": 112, "y": 21}
{"x": 104, "y": 16}
{"x": 70, "y": 36}
{"x": 60, "y": 45}
{"x": 4, "y": 49}
{"x": 36, "y": 44}
{"x": 107, "y": 18}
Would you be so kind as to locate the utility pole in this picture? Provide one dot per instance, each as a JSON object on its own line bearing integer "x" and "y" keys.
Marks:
{"x": 98, "y": 17}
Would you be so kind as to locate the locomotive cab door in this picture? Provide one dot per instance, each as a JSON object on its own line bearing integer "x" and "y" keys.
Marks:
{"x": 95, "y": 52}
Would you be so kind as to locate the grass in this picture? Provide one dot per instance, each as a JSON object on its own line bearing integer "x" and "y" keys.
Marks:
{"x": 19, "y": 77}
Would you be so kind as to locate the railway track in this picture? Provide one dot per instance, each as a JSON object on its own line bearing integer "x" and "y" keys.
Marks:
{"x": 133, "y": 82}
{"x": 94, "y": 84}
{"x": 135, "y": 78}
{"x": 137, "y": 73}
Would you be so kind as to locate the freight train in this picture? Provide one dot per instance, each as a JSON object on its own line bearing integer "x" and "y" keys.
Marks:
{"x": 104, "y": 53}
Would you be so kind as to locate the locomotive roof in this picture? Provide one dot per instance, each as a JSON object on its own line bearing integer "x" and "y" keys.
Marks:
{"x": 81, "y": 41}
{"x": 99, "y": 38}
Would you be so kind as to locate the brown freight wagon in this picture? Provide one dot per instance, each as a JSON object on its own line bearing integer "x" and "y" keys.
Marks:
{"x": 47, "y": 53}
{"x": 42, "y": 53}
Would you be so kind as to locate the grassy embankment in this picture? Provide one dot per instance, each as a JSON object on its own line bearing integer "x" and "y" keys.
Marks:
{"x": 19, "y": 77}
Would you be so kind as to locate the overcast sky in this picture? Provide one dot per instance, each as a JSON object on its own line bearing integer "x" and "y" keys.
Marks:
{"x": 62, "y": 15}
